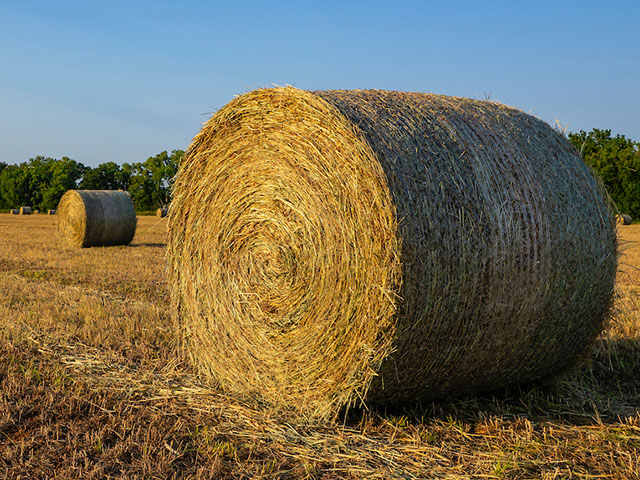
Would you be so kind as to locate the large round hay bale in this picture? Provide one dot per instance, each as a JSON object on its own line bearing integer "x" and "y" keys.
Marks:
{"x": 51, "y": 211}
{"x": 623, "y": 219}
{"x": 89, "y": 218}
{"x": 327, "y": 248}
{"x": 25, "y": 211}
{"x": 162, "y": 212}
{"x": 14, "y": 211}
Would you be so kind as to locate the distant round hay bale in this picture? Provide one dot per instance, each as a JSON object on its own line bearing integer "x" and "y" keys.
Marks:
{"x": 161, "y": 212}
{"x": 51, "y": 211}
{"x": 328, "y": 248}
{"x": 25, "y": 211}
{"x": 623, "y": 219}
{"x": 14, "y": 211}
{"x": 89, "y": 218}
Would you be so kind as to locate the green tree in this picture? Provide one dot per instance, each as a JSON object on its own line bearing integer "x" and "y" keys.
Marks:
{"x": 39, "y": 172}
{"x": 617, "y": 161}
{"x": 15, "y": 187}
{"x": 151, "y": 181}
{"x": 141, "y": 187}
{"x": 3, "y": 205}
{"x": 106, "y": 176}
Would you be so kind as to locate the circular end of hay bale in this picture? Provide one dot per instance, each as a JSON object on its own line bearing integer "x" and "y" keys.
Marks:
{"x": 87, "y": 218}
{"x": 72, "y": 219}
{"x": 295, "y": 248}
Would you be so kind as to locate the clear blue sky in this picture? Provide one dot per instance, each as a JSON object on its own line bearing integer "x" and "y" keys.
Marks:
{"x": 111, "y": 80}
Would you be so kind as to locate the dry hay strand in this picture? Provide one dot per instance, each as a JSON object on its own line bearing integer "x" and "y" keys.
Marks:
{"x": 338, "y": 247}
{"x": 25, "y": 211}
{"x": 623, "y": 220}
{"x": 51, "y": 211}
{"x": 162, "y": 212}
{"x": 14, "y": 211}
{"x": 89, "y": 218}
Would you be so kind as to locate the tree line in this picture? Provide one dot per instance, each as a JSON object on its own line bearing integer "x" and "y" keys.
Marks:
{"x": 41, "y": 181}
{"x": 616, "y": 160}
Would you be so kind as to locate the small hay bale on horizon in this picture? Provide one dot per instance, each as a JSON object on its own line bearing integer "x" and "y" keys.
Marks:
{"x": 25, "y": 211}
{"x": 335, "y": 248}
{"x": 162, "y": 212}
{"x": 623, "y": 219}
{"x": 51, "y": 211}
{"x": 14, "y": 211}
{"x": 91, "y": 218}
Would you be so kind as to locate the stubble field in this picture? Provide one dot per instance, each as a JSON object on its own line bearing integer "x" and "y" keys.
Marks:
{"x": 93, "y": 385}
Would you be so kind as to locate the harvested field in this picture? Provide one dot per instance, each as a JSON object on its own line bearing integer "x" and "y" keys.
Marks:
{"x": 93, "y": 385}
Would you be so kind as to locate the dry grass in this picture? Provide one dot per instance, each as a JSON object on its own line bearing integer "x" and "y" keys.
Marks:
{"x": 92, "y": 385}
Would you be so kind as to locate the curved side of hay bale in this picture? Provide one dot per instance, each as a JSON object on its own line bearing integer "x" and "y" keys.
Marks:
{"x": 161, "y": 212}
{"x": 89, "y": 218}
{"x": 327, "y": 248}
{"x": 25, "y": 211}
